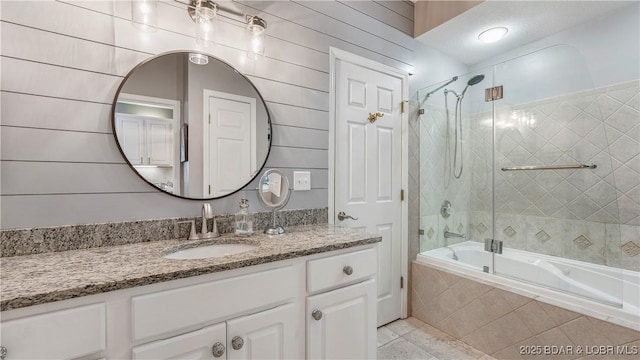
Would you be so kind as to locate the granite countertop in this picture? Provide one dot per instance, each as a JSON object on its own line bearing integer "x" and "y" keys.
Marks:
{"x": 42, "y": 278}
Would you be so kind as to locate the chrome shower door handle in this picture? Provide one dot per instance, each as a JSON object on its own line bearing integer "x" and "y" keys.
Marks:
{"x": 342, "y": 216}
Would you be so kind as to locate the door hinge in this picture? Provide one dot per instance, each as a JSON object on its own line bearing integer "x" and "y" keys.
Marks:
{"x": 492, "y": 245}
{"x": 402, "y": 105}
{"x": 401, "y": 282}
{"x": 209, "y": 119}
{"x": 402, "y": 195}
{"x": 494, "y": 93}
{"x": 209, "y": 189}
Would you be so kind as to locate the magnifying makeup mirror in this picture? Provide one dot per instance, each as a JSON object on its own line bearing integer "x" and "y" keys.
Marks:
{"x": 274, "y": 193}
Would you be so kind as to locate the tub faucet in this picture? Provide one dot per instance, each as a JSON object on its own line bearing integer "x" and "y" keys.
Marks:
{"x": 448, "y": 234}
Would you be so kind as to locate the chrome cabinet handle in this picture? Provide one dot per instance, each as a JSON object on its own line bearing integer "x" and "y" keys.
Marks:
{"x": 317, "y": 314}
{"x": 342, "y": 216}
{"x": 347, "y": 270}
{"x": 237, "y": 343}
{"x": 3, "y": 352}
{"x": 217, "y": 349}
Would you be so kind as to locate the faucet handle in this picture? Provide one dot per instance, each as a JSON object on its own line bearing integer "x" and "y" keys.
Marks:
{"x": 214, "y": 231}
{"x": 192, "y": 232}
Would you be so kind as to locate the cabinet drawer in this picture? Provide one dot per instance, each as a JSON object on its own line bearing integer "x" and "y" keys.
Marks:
{"x": 183, "y": 308}
{"x": 332, "y": 271}
{"x": 64, "y": 334}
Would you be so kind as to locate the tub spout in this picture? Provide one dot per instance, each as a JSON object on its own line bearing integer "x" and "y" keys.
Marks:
{"x": 448, "y": 234}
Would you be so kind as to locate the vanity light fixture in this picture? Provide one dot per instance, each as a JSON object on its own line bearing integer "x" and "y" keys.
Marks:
{"x": 198, "y": 59}
{"x": 493, "y": 34}
{"x": 144, "y": 15}
{"x": 256, "y": 27}
{"x": 204, "y": 13}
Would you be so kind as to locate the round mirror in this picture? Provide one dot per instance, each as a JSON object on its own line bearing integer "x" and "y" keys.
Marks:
{"x": 274, "y": 192}
{"x": 191, "y": 125}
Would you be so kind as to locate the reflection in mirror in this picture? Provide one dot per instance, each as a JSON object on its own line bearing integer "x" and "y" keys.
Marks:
{"x": 194, "y": 129}
{"x": 274, "y": 192}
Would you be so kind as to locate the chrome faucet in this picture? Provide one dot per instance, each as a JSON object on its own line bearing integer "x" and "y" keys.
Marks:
{"x": 207, "y": 213}
{"x": 449, "y": 234}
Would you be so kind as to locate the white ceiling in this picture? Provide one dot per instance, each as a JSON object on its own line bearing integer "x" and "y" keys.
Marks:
{"x": 527, "y": 21}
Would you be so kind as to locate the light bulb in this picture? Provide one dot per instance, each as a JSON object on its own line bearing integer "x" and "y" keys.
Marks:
{"x": 256, "y": 36}
{"x": 144, "y": 15}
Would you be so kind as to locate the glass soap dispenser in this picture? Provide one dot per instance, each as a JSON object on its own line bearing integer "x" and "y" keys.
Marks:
{"x": 244, "y": 220}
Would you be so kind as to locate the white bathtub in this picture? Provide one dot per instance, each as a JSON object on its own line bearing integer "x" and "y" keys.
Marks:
{"x": 603, "y": 292}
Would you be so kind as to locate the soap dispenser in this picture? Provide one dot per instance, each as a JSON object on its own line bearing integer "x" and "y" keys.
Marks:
{"x": 244, "y": 220}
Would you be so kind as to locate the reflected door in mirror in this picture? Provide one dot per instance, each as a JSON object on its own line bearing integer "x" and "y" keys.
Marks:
{"x": 230, "y": 140}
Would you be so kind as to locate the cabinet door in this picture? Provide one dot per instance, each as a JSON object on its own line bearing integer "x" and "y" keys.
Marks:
{"x": 159, "y": 143}
{"x": 266, "y": 335}
{"x": 196, "y": 345}
{"x": 131, "y": 135}
{"x": 344, "y": 325}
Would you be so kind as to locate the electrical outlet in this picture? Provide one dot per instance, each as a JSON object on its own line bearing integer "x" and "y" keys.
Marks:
{"x": 301, "y": 180}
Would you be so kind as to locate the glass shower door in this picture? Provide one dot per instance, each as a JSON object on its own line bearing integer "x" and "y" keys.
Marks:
{"x": 555, "y": 198}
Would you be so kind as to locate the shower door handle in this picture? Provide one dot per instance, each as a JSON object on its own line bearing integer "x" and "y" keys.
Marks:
{"x": 342, "y": 216}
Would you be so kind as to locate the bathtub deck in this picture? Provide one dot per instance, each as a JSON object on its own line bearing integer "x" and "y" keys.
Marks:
{"x": 412, "y": 339}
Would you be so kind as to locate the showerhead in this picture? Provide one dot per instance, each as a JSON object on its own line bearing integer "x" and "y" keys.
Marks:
{"x": 474, "y": 80}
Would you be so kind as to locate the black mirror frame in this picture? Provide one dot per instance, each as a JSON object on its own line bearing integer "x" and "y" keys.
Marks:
{"x": 113, "y": 124}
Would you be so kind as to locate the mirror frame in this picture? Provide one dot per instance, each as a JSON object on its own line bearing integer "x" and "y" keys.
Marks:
{"x": 113, "y": 123}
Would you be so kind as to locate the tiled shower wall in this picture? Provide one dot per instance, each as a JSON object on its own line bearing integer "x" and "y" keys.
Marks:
{"x": 590, "y": 215}
{"x": 437, "y": 183}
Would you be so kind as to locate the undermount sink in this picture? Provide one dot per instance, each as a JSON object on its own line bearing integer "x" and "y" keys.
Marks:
{"x": 209, "y": 251}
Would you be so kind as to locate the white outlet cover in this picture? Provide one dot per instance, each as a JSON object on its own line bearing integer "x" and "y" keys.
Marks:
{"x": 301, "y": 180}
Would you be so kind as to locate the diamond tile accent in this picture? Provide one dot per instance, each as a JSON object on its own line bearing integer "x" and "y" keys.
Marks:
{"x": 631, "y": 249}
{"x": 446, "y": 228}
{"x": 430, "y": 232}
{"x": 460, "y": 228}
{"x": 509, "y": 231}
{"x": 481, "y": 228}
{"x": 583, "y": 242}
{"x": 542, "y": 236}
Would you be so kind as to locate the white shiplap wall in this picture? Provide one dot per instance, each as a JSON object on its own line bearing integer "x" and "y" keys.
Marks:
{"x": 62, "y": 62}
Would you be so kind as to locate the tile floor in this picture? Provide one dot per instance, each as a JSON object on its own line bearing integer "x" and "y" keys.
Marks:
{"x": 411, "y": 339}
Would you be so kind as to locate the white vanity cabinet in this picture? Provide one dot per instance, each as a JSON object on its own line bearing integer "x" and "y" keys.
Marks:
{"x": 341, "y": 312}
{"x": 144, "y": 140}
{"x": 263, "y": 311}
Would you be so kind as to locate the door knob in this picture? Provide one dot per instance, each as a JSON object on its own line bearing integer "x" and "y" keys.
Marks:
{"x": 342, "y": 216}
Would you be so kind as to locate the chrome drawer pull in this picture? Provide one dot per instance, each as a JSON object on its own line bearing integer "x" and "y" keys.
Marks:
{"x": 347, "y": 270}
{"x": 217, "y": 350}
{"x": 317, "y": 314}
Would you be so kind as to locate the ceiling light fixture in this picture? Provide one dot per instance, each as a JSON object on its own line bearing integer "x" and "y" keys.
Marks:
{"x": 144, "y": 15}
{"x": 493, "y": 34}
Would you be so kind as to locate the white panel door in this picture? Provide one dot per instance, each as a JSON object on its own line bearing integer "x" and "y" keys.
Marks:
{"x": 344, "y": 327}
{"x": 266, "y": 335}
{"x": 368, "y": 170}
{"x": 196, "y": 345}
{"x": 228, "y": 159}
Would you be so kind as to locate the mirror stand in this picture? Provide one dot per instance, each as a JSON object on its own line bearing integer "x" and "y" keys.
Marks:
{"x": 274, "y": 229}
{"x": 274, "y": 193}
